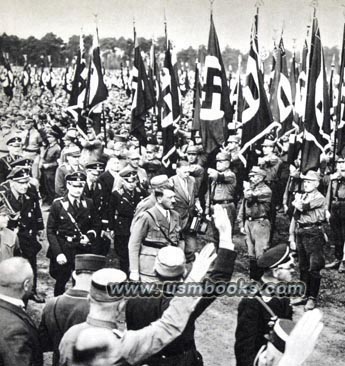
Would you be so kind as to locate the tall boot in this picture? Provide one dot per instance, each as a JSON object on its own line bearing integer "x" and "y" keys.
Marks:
{"x": 304, "y": 277}
{"x": 255, "y": 272}
{"x": 314, "y": 284}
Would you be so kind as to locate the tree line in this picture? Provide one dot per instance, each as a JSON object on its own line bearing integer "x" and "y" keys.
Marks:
{"x": 118, "y": 50}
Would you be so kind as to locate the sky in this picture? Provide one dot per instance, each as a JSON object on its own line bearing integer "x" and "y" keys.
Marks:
{"x": 188, "y": 20}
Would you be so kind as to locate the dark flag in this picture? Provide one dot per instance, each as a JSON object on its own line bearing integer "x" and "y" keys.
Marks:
{"x": 332, "y": 97}
{"x": 215, "y": 111}
{"x": 154, "y": 80}
{"x": 284, "y": 95}
{"x": 317, "y": 115}
{"x": 340, "y": 132}
{"x": 301, "y": 87}
{"x": 171, "y": 112}
{"x": 7, "y": 78}
{"x": 25, "y": 77}
{"x": 256, "y": 115}
{"x": 142, "y": 98}
{"x": 196, "y": 100}
{"x": 51, "y": 81}
{"x": 77, "y": 95}
{"x": 236, "y": 97}
{"x": 96, "y": 91}
{"x": 184, "y": 84}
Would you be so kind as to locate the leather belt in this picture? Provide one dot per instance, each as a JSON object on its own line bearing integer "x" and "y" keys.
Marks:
{"x": 309, "y": 225}
{"x": 154, "y": 244}
{"x": 214, "y": 202}
{"x": 256, "y": 218}
{"x": 32, "y": 150}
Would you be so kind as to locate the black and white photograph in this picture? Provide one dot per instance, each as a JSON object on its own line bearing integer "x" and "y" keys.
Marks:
{"x": 172, "y": 182}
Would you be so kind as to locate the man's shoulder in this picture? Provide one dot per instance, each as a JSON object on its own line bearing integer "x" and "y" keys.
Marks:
{"x": 8, "y": 235}
{"x": 13, "y": 317}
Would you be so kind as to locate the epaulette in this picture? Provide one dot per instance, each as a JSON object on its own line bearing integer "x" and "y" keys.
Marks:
{"x": 58, "y": 199}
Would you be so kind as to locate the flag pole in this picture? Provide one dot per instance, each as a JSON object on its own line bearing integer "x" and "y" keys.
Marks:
{"x": 104, "y": 126}
{"x": 166, "y": 31}
{"x": 134, "y": 33}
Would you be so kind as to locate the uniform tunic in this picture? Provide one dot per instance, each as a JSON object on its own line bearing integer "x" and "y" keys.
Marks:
{"x": 141, "y": 312}
{"x": 254, "y": 217}
{"x": 135, "y": 346}
{"x": 121, "y": 210}
{"x": 335, "y": 204}
{"x": 64, "y": 236}
{"x": 60, "y": 314}
{"x": 146, "y": 239}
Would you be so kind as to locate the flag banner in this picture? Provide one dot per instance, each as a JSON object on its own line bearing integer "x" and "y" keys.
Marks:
{"x": 257, "y": 119}
{"x": 142, "y": 98}
{"x": 317, "y": 113}
{"x": 215, "y": 111}
{"x": 301, "y": 87}
{"x": 236, "y": 97}
{"x": 284, "y": 95}
{"x": 25, "y": 79}
{"x": 7, "y": 78}
{"x": 171, "y": 112}
{"x": 77, "y": 95}
{"x": 340, "y": 130}
{"x": 154, "y": 83}
{"x": 51, "y": 82}
{"x": 97, "y": 92}
{"x": 196, "y": 99}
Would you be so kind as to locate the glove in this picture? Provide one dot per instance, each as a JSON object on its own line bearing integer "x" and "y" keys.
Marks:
{"x": 61, "y": 259}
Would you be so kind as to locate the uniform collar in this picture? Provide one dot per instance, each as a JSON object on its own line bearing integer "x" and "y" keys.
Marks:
{"x": 100, "y": 323}
{"x": 13, "y": 301}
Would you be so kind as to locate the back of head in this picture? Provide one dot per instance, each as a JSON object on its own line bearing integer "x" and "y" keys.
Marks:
{"x": 13, "y": 273}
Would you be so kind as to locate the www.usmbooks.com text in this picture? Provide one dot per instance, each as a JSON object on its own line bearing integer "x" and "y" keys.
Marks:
{"x": 240, "y": 288}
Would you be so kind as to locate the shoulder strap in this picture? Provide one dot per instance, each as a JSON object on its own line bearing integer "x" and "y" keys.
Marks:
{"x": 64, "y": 205}
{"x": 162, "y": 231}
{"x": 267, "y": 308}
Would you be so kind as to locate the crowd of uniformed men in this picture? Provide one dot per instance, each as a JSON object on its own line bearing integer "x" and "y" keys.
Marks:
{"x": 109, "y": 195}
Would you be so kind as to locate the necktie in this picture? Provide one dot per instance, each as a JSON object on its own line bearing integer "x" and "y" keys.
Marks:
{"x": 167, "y": 216}
{"x": 21, "y": 199}
{"x": 76, "y": 205}
{"x": 27, "y": 139}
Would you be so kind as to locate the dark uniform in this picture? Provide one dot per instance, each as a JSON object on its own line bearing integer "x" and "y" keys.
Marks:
{"x": 222, "y": 190}
{"x": 95, "y": 192}
{"x": 310, "y": 240}
{"x": 335, "y": 204}
{"x": 60, "y": 314}
{"x": 28, "y": 219}
{"x": 5, "y": 166}
{"x": 65, "y": 227}
{"x": 49, "y": 165}
{"x": 64, "y": 311}
{"x": 121, "y": 210}
{"x": 182, "y": 351}
{"x": 253, "y": 324}
{"x": 256, "y": 315}
{"x": 254, "y": 217}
